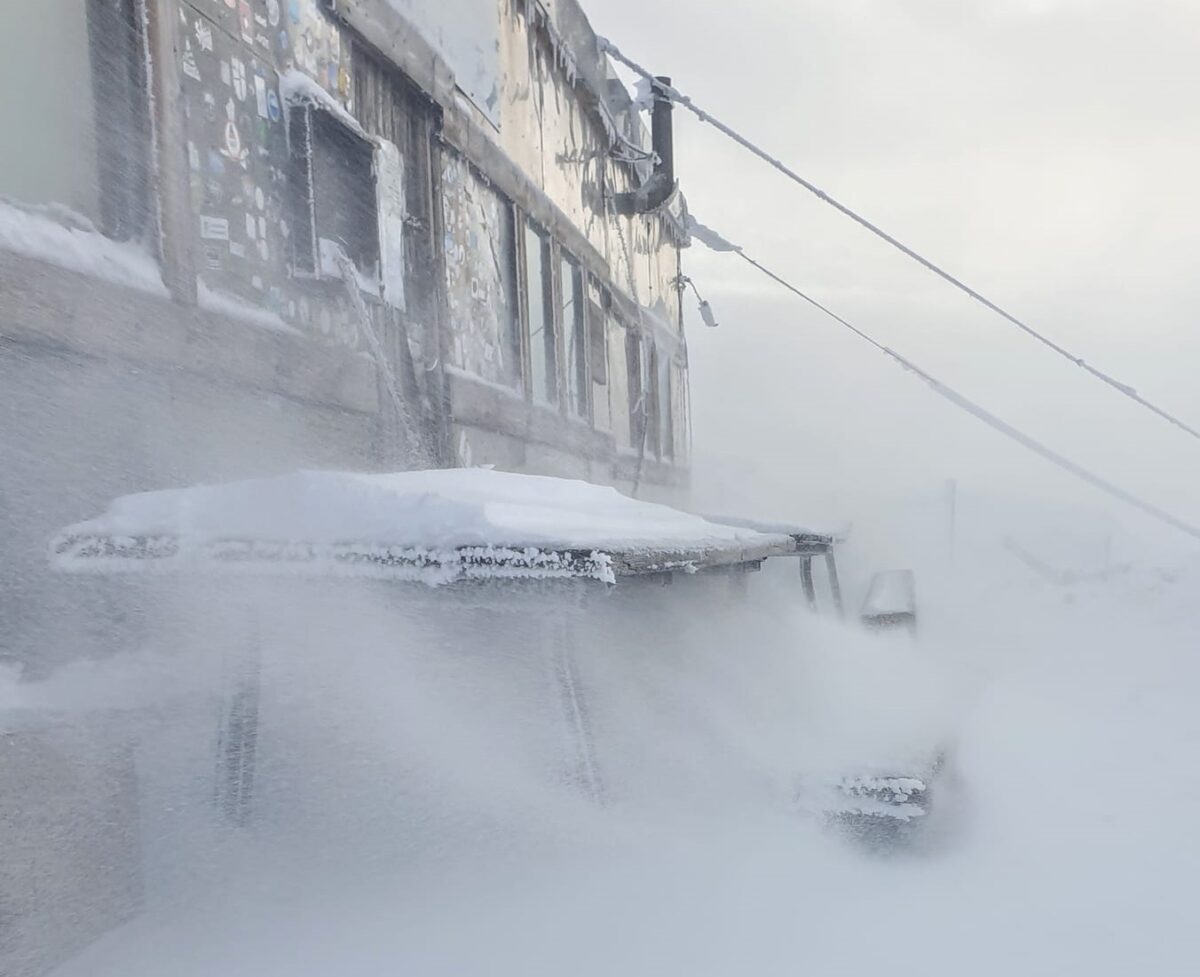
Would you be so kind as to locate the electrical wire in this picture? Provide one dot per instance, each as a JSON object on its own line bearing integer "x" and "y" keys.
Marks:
{"x": 979, "y": 413}
{"x": 679, "y": 98}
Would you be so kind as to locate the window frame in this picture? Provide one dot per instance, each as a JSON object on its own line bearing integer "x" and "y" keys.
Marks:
{"x": 577, "y": 376}
{"x": 546, "y": 397}
{"x": 305, "y": 202}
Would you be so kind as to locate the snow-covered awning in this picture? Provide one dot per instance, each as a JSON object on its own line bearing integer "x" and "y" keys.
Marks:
{"x": 806, "y": 541}
{"x": 434, "y": 527}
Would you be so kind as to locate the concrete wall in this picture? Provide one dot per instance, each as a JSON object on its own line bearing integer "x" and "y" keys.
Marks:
{"x": 108, "y": 391}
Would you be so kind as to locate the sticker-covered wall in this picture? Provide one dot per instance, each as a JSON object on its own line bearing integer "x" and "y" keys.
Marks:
{"x": 233, "y": 56}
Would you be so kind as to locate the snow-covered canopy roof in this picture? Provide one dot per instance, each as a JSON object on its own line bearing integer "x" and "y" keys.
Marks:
{"x": 431, "y": 526}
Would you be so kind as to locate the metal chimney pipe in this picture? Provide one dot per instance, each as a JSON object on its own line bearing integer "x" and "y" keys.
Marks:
{"x": 662, "y": 130}
{"x": 657, "y": 190}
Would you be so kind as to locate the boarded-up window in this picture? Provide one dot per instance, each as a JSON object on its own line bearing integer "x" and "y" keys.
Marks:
{"x": 393, "y": 111}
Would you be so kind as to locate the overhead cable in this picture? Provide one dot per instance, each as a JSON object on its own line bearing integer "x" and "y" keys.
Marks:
{"x": 679, "y": 98}
{"x": 975, "y": 410}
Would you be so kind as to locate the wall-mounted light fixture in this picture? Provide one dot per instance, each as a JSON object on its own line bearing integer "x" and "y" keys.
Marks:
{"x": 706, "y": 312}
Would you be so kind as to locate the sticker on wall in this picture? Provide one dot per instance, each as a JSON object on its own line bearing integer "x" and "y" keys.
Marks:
{"x": 190, "y": 68}
{"x": 214, "y": 228}
{"x": 237, "y": 249}
{"x": 239, "y": 79}
{"x": 273, "y": 110}
{"x": 260, "y": 199}
{"x": 204, "y": 35}
{"x": 273, "y": 12}
{"x": 260, "y": 95}
{"x": 233, "y": 141}
{"x": 212, "y": 257}
{"x": 246, "y": 21}
{"x": 226, "y": 73}
{"x": 251, "y": 227}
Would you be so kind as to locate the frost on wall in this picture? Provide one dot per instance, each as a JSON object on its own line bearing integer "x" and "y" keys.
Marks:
{"x": 480, "y": 275}
{"x": 466, "y": 33}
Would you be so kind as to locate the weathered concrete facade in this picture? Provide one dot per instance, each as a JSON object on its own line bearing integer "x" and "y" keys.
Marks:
{"x": 193, "y": 185}
{"x": 247, "y": 145}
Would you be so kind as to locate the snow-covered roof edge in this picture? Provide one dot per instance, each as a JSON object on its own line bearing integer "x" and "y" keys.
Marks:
{"x": 436, "y": 526}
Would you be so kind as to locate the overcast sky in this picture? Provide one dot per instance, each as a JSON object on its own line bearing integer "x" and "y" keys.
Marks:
{"x": 1047, "y": 151}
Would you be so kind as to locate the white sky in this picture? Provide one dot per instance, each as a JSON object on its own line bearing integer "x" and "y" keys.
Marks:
{"x": 1046, "y": 151}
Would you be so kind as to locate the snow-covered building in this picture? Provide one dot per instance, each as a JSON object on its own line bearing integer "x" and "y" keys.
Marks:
{"x": 467, "y": 158}
{"x": 239, "y": 237}
{"x": 419, "y": 216}
{"x": 242, "y": 236}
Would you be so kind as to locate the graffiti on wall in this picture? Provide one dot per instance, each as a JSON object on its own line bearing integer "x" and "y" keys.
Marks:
{"x": 480, "y": 275}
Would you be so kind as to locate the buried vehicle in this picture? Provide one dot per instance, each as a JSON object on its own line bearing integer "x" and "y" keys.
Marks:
{"x": 883, "y": 809}
{"x": 351, "y": 644}
{"x": 546, "y": 574}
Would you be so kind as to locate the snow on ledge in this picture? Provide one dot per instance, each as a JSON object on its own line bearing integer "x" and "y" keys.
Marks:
{"x": 435, "y": 526}
{"x": 58, "y": 236}
{"x": 222, "y": 303}
{"x": 297, "y": 88}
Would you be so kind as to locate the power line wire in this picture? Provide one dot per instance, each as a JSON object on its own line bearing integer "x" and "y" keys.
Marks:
{"x": 980, "y": 413}
{"x": 679, "y": 98}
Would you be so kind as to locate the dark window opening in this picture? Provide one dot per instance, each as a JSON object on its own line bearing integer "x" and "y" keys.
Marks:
{"x": 333, "y": 196}
{"x": 575, "y": 336}
{"x": 510, "y": 318}
{"x": 539, "y": 300}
